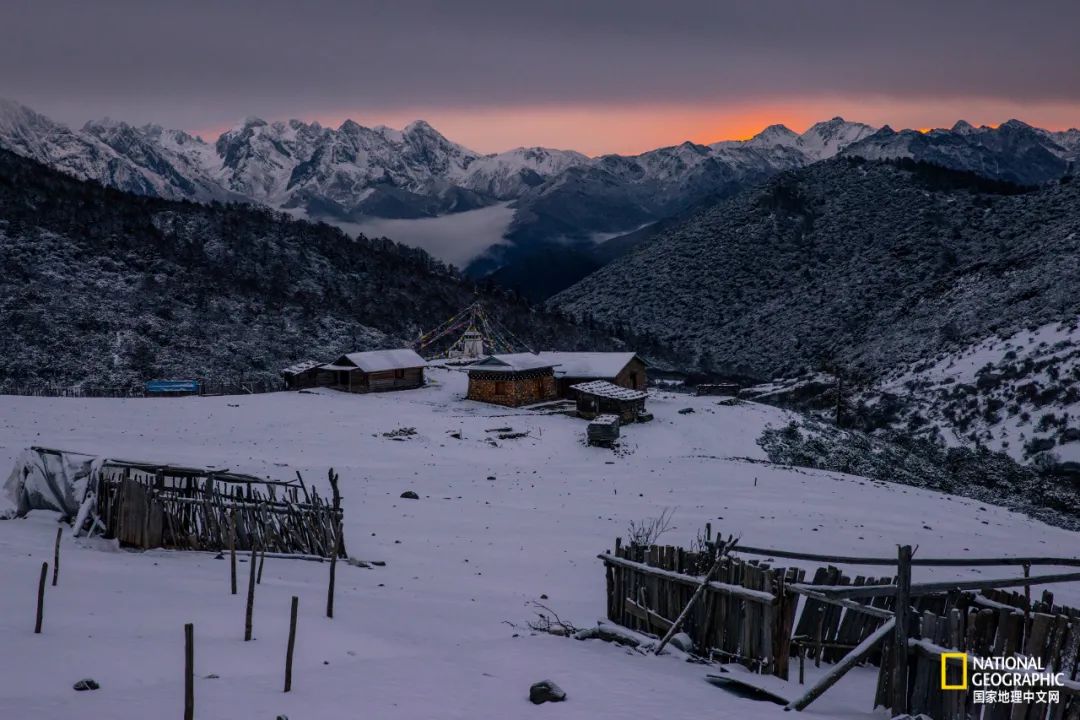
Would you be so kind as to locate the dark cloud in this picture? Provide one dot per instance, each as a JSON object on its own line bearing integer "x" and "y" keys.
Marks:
{"x": 197, "y": 63}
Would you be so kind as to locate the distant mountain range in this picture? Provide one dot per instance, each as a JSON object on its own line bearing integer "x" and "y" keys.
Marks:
{"x": 567, "y": 207}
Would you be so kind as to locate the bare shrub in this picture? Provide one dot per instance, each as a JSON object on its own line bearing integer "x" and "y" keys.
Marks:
{"x": 647, "y": 531}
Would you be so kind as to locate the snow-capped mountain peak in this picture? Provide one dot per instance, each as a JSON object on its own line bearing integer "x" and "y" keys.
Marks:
{"x": 774, "y": 135}
{"x": 825, "y": 139}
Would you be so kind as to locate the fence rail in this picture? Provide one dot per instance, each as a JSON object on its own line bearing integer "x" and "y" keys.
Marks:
{"x": 915, "y": 562}
{"x": 206, "y": 387}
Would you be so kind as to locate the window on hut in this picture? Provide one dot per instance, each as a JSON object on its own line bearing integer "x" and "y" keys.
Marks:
{"x": 500, "y": 387}
{"x": 399, "y": 373}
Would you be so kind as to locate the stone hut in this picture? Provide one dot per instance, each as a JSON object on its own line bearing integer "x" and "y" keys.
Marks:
{"x": 513, "y": 380}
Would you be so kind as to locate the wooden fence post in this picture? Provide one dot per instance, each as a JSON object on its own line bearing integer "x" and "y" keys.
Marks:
{"x": 41, "y": 597}
{"x": 900, "y": 631}
{"x": 292, "y": 644}
{"x": 333, "y": 570}
{"x": 338, "y": 544}
{"x": 1027, "y": 601}
{"x": 56, "y": 556}
{"x": 232, "y": 549}
{"x": 262, "y": 559}
{"x": 250, "y": 597}
{"x": 189, "y": 672}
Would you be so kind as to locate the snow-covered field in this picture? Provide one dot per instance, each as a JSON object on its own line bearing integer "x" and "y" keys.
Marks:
{"x": 497, "y": 525}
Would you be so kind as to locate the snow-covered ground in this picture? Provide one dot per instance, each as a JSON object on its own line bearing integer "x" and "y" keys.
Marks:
{"x": 497, "y": 525}
{"x": 1007, "y": 393}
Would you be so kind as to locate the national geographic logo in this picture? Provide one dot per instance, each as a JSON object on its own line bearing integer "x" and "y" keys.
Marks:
{"x": 1001, "y": 679}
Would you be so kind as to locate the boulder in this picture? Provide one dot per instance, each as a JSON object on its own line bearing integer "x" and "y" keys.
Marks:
{"x": 86, "y": 684}
{"x": 545, "y": 691}
{"x": 683, "y": 642}
{"x": 409, "y": 495}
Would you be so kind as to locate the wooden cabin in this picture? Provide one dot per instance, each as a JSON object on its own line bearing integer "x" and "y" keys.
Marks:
{"x": 513, "y": 380}
{"x": 374, "y": 371}
{"x": 600, "y": 397}
{"x": 624, "y": 369}
{"x": 304, "y": 374}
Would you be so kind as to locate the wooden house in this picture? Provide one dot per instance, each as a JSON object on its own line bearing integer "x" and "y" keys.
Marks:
{"x": 600, "y": 397}
{"x": 624, "y": 369}
{"x": 513, "y": 380}
{"x": 304, "y": 374}
{"x": 374, "y": 371}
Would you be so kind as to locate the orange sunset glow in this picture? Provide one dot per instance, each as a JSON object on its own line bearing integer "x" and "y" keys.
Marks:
{"x": 630, "y": 129}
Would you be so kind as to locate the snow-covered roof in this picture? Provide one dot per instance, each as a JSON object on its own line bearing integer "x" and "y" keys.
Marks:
{"x": 604, "y": 389}
{"x": 598, "y": 365}
{"x": 301, "y": 367}
{"x": 605, "y": 420}
{"x": 512, "y": 362}
{"x": 379, "y": 360}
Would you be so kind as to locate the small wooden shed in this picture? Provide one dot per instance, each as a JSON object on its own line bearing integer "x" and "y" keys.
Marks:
{"x": 602, "y": 397}
{"x": 376, "y": 371}
{"x": 625, "y": 369}
{"x": 304, "y": 374}
{"x": 512, "y": 380}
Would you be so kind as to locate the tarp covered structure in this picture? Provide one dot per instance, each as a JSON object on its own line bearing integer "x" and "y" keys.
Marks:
{"x": 47, "y": 479}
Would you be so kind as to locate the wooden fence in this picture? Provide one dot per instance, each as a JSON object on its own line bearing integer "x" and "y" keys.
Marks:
{"x": 745, "y": 617}
{"x": 206, "y": 387}
{"x": 993, "y": 623}
{"x": 146, "y": 506}
{"x": 749, "y": 617}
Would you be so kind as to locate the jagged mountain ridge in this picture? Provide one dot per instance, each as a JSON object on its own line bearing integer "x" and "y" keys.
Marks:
{"x": 332, "y": 174}
{"x": 1014, "y": 151}
{"x": 110, "y": 288}
{"x": 565, "y": 205}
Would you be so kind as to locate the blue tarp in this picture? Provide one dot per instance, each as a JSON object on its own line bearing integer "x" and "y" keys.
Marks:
{"x": 172, "y": 386}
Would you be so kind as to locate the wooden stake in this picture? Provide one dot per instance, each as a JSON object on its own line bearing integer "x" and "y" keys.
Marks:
{"x": 41, "y": 597}
{"x": 900, "y": 634}
{"x": 1027, "y": 600}
{"x": 189, "y": 672}
{"x": 56, "y": 556}
{"x": 262, "y": 559}
{"x": 333, "y": 570}
{"x": 338, "y": 542}
{"x": 292, "y": 644}
{"x": 250, "y": 597}
{"x": 232, "y": 548}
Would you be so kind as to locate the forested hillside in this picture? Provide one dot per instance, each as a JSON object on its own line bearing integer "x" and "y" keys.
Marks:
{"x": 99, "y": 286}
{"x": 848, "y": 263}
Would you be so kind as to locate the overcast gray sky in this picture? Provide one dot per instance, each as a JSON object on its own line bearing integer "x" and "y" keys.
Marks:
{"x": 577, "y": 74}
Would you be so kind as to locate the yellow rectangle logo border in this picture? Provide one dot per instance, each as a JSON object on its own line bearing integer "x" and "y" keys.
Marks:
{"x": 945, "y": 657}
